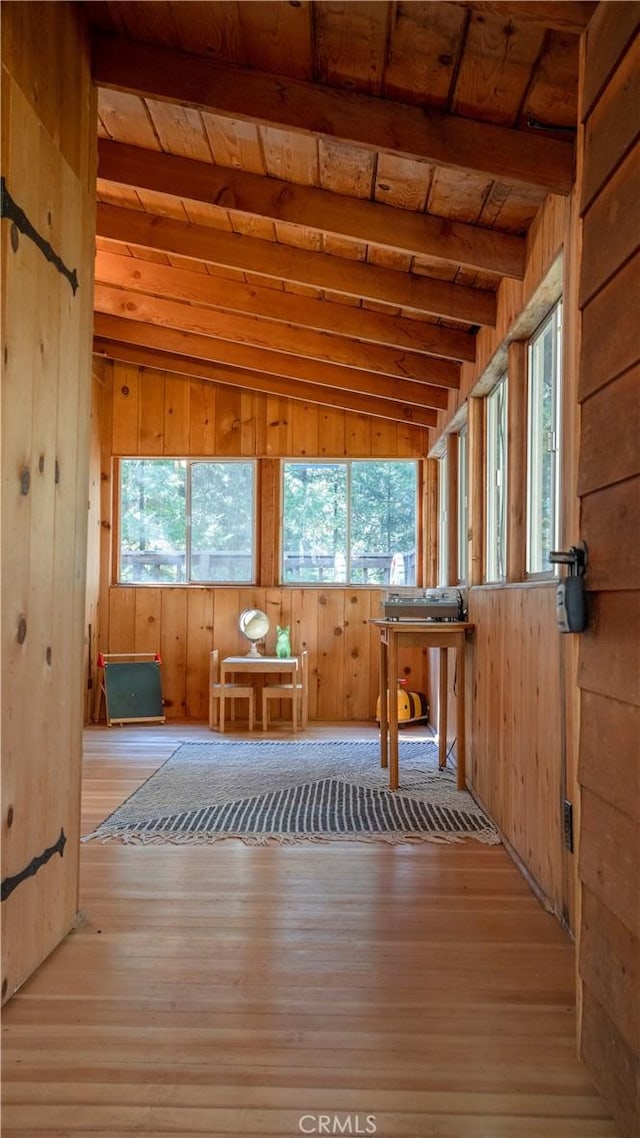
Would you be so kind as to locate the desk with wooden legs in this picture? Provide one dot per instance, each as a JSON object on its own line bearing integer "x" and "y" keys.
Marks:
{"x": 425, "y": 634}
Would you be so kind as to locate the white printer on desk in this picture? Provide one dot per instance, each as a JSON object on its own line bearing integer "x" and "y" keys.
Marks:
{"x": 424, "y": 604}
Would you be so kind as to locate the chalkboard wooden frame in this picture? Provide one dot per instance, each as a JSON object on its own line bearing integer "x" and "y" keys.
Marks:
{"x": 132, "y": 689}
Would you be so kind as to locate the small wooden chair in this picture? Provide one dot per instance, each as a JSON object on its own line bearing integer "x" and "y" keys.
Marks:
{"x": 297, "y": 692}
{"x": 222, "y": 692}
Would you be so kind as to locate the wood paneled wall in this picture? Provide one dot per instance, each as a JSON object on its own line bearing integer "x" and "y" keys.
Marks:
{"x": 48, "y": 161}
{"x": 92, "y": 602}
{"x": 143, "y": 411}
{"x": 521, "y": 692}
{"x": 155, "y": 412}
{"x": 609, "y": 485}
{"x": 516, "y": 729}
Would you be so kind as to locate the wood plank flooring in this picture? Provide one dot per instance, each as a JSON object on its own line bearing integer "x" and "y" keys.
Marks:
{"x": 343, "y": 988}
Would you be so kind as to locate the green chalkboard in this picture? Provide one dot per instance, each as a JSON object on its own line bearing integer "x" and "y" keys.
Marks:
{"x": 133, "y": 693}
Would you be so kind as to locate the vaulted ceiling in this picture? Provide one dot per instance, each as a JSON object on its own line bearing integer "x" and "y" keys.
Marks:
{"x": 320, "y": 199}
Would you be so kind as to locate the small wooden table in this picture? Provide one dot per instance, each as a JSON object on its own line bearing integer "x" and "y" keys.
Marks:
{"x": 257, "y": 665}
{"x": 426, "y": 634}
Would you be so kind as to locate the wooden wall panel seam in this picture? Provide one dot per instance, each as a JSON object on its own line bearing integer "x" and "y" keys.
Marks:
{"x": 609, "y": 240}
{"x": 610, "y": 442}
{"x": 610, "y": 330}
{"x": 613, "y": 126}
{"x": 609, "y": 960}
{"x": 613, "y": 1066}
{"x": 607, "y": 41}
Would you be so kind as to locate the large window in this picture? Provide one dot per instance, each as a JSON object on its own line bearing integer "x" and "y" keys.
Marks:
{"x": 443, "y": 522}
{"x": 545, "y": 363}
{"x": 463, "y": 507}
{"x": 184, "y": 521}
{"x": 496, "y": 442}
{"x": 349, "y": 523}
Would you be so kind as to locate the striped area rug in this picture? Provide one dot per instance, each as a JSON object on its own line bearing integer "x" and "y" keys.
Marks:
{"x": 296, "y": 791}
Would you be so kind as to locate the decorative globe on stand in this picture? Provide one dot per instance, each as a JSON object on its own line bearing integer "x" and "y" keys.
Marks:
{"x": 254, "y": 626}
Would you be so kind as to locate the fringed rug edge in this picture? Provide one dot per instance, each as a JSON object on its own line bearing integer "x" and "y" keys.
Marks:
{"x": 140, "y": 838}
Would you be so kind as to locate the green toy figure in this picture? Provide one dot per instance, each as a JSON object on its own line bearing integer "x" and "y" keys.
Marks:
{"x": 283, "y": 642}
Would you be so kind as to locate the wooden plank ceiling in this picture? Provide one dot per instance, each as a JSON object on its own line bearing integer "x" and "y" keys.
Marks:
{"x": 320, "y": 199}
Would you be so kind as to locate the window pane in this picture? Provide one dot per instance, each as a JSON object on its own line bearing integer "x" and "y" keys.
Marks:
{"x": 315, "y": 522}
{"x": 443, "y": 539}
{"x": 152, "y": 521}
{"x": 383, "y": 523}
{"x": 349, "y": 522}
{"x": 183, "y": 521}
{"x": 221, "y": 521}
{"x": 463, "y": 508}
{"x": 544, "y": 378}
{"x": 497, "y": 483}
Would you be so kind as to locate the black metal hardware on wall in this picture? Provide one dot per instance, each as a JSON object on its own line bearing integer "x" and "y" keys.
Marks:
{"x": 575, "y": 558}
{"x": 12, "y": 211}
{"x": 571, "y": 605}
{"x": 552, "y": 128}
{"x": 30, "y": 870}
{"x": 567, "y": 824}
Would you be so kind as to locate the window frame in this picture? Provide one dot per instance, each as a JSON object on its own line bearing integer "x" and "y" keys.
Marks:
{"x": 497, "y": 397}
{"x": 348, "y": 463}
{"x": 189, "y": 461}
{"x": 534, "y": 554}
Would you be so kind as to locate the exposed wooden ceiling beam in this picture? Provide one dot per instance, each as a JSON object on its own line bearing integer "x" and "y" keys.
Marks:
{"x": 272, "y": 385}
{"x": 249, "y": 360}
{"x": 283, "y": 308}
{"x": 240, "y": 337}
{"x": 399, "y": 229}
{"x": 351, "y": 117}
{"x": 297, "y": 266}
{"x": 570, "y": 16}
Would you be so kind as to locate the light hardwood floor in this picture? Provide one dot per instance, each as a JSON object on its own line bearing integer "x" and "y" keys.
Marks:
{"x": 339, "y": 988}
